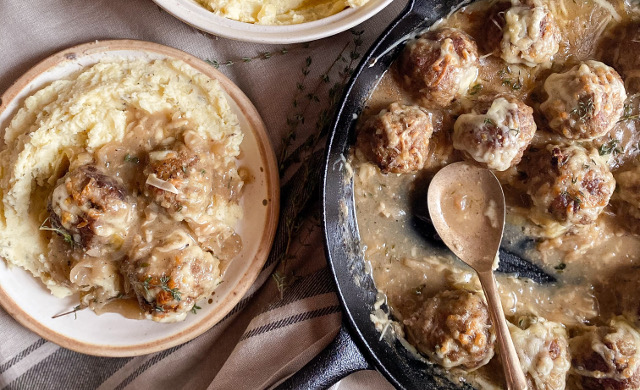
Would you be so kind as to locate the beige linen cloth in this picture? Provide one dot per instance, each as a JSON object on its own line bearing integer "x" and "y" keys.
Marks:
{"x": 274, "y": 331}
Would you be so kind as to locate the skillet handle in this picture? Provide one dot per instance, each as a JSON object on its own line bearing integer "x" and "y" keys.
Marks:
{"x": 339, "y": 359}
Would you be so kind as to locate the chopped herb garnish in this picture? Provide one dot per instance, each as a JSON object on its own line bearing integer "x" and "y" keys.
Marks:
{"x": 609, "y": 147}
{"x": 584, "y": 109}
{"x": 475, "y": 89}
{"x": 560, "y": 267}
{"x": 131, "y": 159}
{"x": 488, "y": 121}
{"x": 175, "y": 293}
{"x": 195, "y": 309}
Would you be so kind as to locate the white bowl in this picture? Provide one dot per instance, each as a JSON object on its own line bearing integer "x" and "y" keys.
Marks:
{"x": 111, "y": 334}
{"x": 197, "y": 16}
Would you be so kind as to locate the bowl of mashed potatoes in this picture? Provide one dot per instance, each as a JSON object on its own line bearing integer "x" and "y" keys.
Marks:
{"x": 273, "y": 21}
{"x": 138, "y": 197}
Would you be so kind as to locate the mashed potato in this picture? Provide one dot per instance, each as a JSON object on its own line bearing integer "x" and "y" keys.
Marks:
{"x": 86, "y": 203}
{"x": 278, "y": 12}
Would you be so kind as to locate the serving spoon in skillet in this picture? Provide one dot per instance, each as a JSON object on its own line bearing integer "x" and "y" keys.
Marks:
{"x": 467, "y": 208}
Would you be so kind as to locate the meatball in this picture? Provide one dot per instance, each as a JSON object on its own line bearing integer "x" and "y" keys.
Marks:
{"x": 174, "y": 181}
{"x": 585, "y": 102}
{"x": 625, "y": 58}
{"x": 397, "y": 139}
{"x": 496, "y": 133}
{"x": 606, "y": 357}
{"x": 440, "y": 65}
{"x": 92, "y": 209}
{"x": 543, "y": 351}
{"x": 453, "y": 329}
{"x": 525, "y": 33}
{"x": 172, "y": 276}
{"x": 568, "y": 184}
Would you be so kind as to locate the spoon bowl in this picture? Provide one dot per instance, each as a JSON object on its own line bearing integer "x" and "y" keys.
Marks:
{"x": 466, "y": 204}
{"x": 467, "y": 208}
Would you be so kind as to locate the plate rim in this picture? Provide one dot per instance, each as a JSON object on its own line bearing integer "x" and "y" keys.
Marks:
{"x": 271, "y": 182}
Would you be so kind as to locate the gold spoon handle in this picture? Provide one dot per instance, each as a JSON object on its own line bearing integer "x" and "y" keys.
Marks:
{"x": 510, "y": 363}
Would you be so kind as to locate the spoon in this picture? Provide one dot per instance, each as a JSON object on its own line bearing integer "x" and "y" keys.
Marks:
{"x": 467, "y": 208}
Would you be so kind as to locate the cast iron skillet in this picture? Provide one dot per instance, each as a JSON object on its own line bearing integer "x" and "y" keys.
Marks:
{"x": 356, "y": 289}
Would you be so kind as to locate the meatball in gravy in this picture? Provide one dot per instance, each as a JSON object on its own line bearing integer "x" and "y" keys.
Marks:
{"x": 440, "y": 66}
{"x": 523, "y": 32}
{"x": 496, "y": 133}
{"x": 568, "y": 184}
{"x": 169, "y": 278}
{"x": 543, "y": 350}
{"x": 584, "y": 102}
{"x": 453, "y": 328}
{"x": 91, "y": 209}
{"x": 607, "y": 357}
{"x": 397, "y": 139}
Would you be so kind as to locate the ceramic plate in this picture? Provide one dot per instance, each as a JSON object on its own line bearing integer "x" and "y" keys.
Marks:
{"x": 31, "y": 304}
{"x": 197, "y": 16}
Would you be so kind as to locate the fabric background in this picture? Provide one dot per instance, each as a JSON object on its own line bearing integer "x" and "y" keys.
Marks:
{"x": 271, "y": 334}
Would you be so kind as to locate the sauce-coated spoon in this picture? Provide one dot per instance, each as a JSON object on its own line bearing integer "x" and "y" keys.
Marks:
{"x": 466, "y": 204}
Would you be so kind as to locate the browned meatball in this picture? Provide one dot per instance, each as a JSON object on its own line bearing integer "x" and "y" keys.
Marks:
{"x": 170, "y": 278}
{"x": 440, "y": 65}
{"x": 92, "y": 208}
{"x": 453, "y": 329}
{"x": 568, "y": 184}
{"x": 585, "y": 102}
{"x": 605, "y": 358}
{"x": 397, "y": 139}
{"x": 496, "y": 133}
{"x": 526, "y": 33}
{"x": 173, "y": 180}
{"x": 543, "y": 351}
{"x": 625, "y": 56}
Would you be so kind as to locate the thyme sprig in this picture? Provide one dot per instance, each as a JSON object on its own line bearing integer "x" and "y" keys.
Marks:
{"x": 264, "y": 55}
{"x": 609, "y": 147}
{"x": 75, "y": 311}
{"x": 307, "y": 152}
{"x": 164, "y": 286}
{"x": 66, "y": 236}
{"x": 349, "y": 61}
{"x": 627, "y": 114}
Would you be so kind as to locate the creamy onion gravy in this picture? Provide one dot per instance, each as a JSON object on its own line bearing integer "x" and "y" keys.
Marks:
{"x": 590, "y": 263}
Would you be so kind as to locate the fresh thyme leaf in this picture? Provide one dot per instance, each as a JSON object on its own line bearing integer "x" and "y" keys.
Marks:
{"x": 195, "y": 309}
{"x": 628, "y": 114}
{"x": 609, "y": 147}
{"x": 475, "y": 89}
{"x": 488, "y": 121}
{"x": 131, "y": 159}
